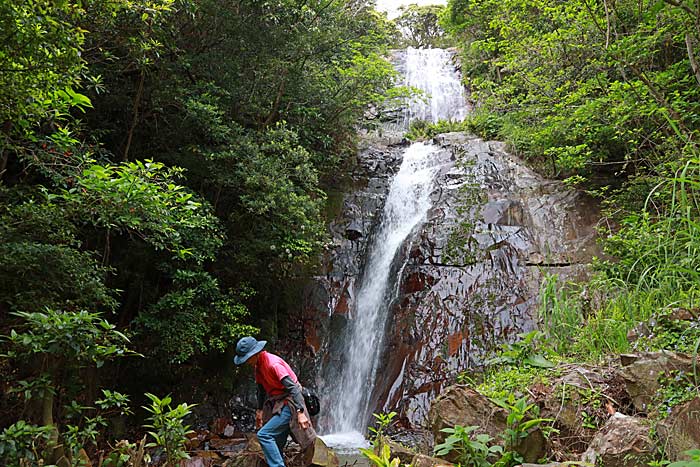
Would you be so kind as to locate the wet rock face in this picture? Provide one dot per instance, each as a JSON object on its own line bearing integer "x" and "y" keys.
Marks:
{"x": 467, "y": 279}
{"x": 329, "y": 297}
{"x": 475, "y": 267}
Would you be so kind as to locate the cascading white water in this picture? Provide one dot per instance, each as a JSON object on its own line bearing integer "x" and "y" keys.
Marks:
{"x": 432, "y": 71}
{"x": 406, "y": 206}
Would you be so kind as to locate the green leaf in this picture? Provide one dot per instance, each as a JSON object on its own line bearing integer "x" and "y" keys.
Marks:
{"x": 538, "y": 361}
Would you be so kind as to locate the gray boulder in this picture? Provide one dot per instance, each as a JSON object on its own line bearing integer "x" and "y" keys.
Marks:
{"x": 680, "y": 431}
{"x": 623, "y": 442}
{"x": 461, "y": 405}
{"x": 405, "y": 454}
{"x": 642, "y": 371}
{"x": 421, "y": 460}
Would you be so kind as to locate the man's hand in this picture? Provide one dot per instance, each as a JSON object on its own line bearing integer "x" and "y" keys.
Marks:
{"x": 304, "y": 421}
{"x": 258, "y": 419}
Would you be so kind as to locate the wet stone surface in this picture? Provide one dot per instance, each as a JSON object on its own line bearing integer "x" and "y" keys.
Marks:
{"x": 467, "y": 279}
{"x": 329, "y": 299}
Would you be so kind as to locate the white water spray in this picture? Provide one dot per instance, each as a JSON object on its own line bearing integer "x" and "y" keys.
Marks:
{"x": 432, "y": 71}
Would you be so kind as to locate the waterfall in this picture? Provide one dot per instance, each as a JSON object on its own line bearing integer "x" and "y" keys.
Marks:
{"x": 406, "y": 205}
{"x": 432, "y": 71}
{"x": 408, "y": 201}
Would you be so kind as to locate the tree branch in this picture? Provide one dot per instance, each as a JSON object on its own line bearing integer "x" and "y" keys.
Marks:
{"x": 691, "y": 56}
{"x": 661, "y": 99}
{"x": 276, "y": 105}
{"x": 682, "y": 6}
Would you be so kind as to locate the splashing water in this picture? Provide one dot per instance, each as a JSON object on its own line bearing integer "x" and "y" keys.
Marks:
{"x": 406, "y": 206}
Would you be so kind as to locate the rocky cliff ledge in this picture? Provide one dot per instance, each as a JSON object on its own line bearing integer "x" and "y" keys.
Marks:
{"x": 466, "y": 280}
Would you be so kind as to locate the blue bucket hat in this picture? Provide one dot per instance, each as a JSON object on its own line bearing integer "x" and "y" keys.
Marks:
{"x": 246, "y": 348}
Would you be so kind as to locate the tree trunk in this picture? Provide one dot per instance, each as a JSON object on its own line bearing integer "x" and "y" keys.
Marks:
{"x": 3, "y": 162}
{"x": 135, "y": 119}
{"x": 57, "y": 455}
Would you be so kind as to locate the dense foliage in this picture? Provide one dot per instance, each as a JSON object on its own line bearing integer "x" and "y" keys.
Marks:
{"x": 163, "y": 164}
{"x": 607, "y": 96}
{"x": 583, "y": 85}
{"x": 162, "y": 167}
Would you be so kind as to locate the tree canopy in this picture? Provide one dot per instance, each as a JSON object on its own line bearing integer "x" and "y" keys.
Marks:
{"x": 162, "y": 167}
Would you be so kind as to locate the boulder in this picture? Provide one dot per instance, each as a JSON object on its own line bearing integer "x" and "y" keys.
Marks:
{"x": 202, "y": 459}
{"x": 218, "y": 426}
{"x": 642, "y": 371}
{"x": 622, "y": 442}
{"x": 197, "y": 461}
{"x": 214, "y": 456}
{"x": 570, "y": 396}
{"x": 461, "y": 405}
{"x": 229, "y": 431}
{"x": 680, "y": 431}
{"x": 196, "y": 439}
{"x": 246, "y": 459}
{"x": 228, "y": 447}
{"x": 405, "y": 454}
{"x": 250, "y": 455}
{"x": 321, "y": 455}
{"x": 421, "y": 460}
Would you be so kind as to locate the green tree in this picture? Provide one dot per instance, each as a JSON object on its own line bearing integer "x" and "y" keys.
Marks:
{"x": 51, "y": 348}
{"x": 163, "y": 161}
{"x": 196, "y": 317}
{"x": 420, "y": 26}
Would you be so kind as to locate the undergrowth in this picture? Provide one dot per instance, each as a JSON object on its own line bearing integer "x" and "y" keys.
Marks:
{"x": 503, "y": 381}
{"x": 655, "y": 277}
{"x": 482, "y": 124}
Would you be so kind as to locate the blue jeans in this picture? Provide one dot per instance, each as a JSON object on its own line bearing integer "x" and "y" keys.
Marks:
{"x": 273, "y": 437}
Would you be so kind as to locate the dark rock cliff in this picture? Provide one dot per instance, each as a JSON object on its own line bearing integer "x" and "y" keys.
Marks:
{"x": 467, "y": 279}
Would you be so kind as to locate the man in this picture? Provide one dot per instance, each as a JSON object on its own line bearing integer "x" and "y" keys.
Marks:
{"x": 280, "y": 404}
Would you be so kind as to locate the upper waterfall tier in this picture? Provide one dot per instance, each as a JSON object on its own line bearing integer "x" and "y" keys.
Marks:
{"x": 433, "y": 72}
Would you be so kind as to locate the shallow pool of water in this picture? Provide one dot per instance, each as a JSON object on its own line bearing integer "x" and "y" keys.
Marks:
{"x": 347, "y": 447}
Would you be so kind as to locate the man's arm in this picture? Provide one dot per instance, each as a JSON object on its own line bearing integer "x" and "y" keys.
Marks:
{"x": 293, "y": 388}
{"x": 297, "y": 402}
{"x": 261, "y": 401}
